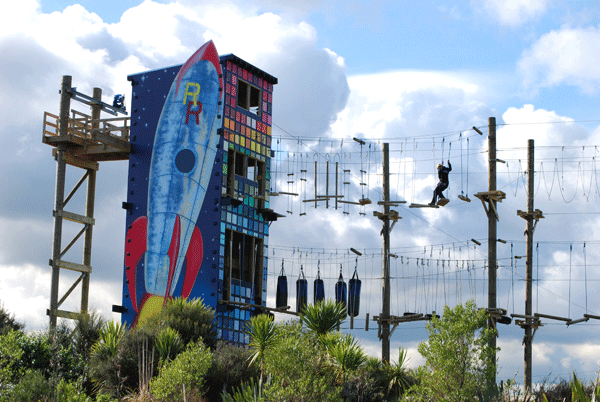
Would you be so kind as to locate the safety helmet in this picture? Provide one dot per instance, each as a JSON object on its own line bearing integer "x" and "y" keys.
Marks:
{"x": 439, "y": 165}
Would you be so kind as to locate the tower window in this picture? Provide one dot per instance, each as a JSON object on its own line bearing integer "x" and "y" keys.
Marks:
{"x": 248, "y": 97}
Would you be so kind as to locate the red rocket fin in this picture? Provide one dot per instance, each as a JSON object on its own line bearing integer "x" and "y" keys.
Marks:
{"x": 135, "y": 247}
{"x": 194, "y": 260}
{"x": 173, "y": 254}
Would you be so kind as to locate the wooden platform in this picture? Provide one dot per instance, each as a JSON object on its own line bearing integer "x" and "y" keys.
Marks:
{"x": 443, "y": 202}
{"x": 422, "y": 206}
{"x": 89, "y": 141}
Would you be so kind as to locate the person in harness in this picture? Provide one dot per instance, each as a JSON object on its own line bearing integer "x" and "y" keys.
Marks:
{"x": 442, "y": 184}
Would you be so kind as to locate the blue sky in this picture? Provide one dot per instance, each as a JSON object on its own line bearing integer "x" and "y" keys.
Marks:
{"x": 397, "y": 71}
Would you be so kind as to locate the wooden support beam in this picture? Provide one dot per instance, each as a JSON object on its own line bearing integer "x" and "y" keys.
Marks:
{"x": 73, "y": 266}
{"x": 75, "y": 217}
{"x": 571, "y": 322}
{"x": 64, "y": 314}
{"x": 248, "y": 306}
{"x": 552, "y": 317}
{"x": 595, "y": 317}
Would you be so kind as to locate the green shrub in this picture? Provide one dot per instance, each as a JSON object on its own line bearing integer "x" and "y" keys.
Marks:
{"x": 185, "y": 374}
{"x": 229, "y": 370}
{"x": 458, "y": 358}
{"x": 192, "y": 319}
{"x": 298, "y": 368}
{"x": 33, "y": 386}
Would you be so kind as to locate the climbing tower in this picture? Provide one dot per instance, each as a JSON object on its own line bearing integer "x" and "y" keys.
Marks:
{"x": 223, "y": 257}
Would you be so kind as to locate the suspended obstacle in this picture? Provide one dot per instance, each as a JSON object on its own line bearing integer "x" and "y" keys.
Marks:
{"x": 319, "y": 287}
{"x": 354, "y": 285}
{"x": 282, "y": 289}
{"x": 301, "y": 291}
{"x": 341, "y": 289}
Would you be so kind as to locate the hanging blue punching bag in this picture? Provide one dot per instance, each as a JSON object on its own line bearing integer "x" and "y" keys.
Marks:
{"x": 354, "y": 295}
{"x": 319, "y": 289}
{"x": 301, "y": 291}
{"x": 282, "y": 289}
{"x": 341, "y": 289}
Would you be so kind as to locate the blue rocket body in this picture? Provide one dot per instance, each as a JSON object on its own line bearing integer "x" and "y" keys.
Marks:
{"x": 184, "y": 151}
{"x": 183, "y": 155}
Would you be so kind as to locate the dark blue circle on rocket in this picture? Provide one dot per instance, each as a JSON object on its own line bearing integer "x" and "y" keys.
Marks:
{"x": 185, "y": 160}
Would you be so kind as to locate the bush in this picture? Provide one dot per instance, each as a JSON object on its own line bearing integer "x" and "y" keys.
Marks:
{"x": 33, "y": 386}
{"x": 229, "y": 370}
{"x": 185, "y": 374}
{"x": 192, "y": 319}
{"x": 458, "y": 357}
{"x": 299, "y": 368}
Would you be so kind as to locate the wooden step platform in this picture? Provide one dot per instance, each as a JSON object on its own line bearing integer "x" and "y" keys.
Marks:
{"x": 422, "y": 206}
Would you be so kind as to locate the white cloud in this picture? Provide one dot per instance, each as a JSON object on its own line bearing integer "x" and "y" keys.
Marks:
{"x": 39, "y": 48}
{"x": 513, "y": 13}
{"x": 565, "y": 56}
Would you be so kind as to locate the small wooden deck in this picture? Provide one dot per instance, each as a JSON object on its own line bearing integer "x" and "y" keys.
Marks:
{"x": 88, "y": 141}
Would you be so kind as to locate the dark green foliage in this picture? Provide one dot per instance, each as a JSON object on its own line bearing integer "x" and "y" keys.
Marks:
{"x": 33, "y": 386}
{"x": 184, "y": 375}
{"x": 458, "y": 356}
{"x": 85, "y": 335}
{"x": 299, "y": 368}
{"x": 229, "y": 370}
{"x": 377, "y": 381}
{"x": 323, "y": 317}
{"x": 369, "y": 384}
{"x": 247, "y": 392}
{"x": 108, "y": 363}
{"x": 192, "y": 319}
{"x": 263, "y": 337}
{"x": 8, "y": 322}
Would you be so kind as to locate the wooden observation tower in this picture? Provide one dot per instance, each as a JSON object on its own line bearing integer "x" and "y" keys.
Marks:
{"x": 81, "y": 141}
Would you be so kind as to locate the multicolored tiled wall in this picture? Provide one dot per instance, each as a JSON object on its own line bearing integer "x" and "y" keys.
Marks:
{"x": 247, "y": 131}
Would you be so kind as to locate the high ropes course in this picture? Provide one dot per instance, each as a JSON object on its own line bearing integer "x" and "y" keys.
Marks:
{"x": 320, "y": 176}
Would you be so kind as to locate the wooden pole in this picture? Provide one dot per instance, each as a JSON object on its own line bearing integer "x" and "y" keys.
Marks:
{"x": 59, "y": 195}
{"x": 529, "y": 265}
{"x": 385, "y": 314}
{"x": 492, "y": 234}
{"x": 89, "y": 210}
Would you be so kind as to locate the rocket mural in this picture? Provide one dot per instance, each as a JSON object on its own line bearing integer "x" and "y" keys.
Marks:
{"x": 164, "y": 248}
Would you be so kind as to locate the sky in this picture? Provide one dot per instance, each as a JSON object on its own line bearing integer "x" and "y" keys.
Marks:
{"x": 417, "y": 75}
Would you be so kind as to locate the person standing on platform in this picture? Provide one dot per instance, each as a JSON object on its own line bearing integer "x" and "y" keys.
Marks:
{"x": 442, "y": 184}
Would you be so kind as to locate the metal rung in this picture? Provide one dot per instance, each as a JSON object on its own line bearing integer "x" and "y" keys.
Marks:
{"x": 74, "y": 266}
{"x": 75, "y": 217}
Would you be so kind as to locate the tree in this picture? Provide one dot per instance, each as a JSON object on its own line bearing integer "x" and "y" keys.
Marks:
{"x": 344, "y": 352}
{"x": 323, "y": 317}
{"x": 8, "y": 322}
{"x": 263, "y": 336}
{"x": 458, "y": 357}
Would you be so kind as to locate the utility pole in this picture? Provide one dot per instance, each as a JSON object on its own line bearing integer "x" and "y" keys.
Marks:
{"x": 492, "y": 232}
{"x": 529, "y": 264}
{"x": 385, "y": 313}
